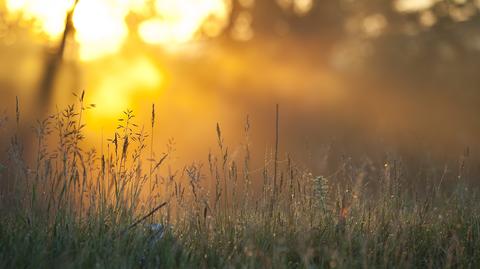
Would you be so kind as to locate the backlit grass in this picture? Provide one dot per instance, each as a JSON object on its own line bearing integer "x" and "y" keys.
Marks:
{"x": 73, "y": 206}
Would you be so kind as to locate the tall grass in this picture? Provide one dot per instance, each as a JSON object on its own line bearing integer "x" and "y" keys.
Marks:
{"x": 72, "y": 206}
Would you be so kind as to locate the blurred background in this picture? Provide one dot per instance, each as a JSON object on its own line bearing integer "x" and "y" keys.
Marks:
{"x": 353, "y": 78}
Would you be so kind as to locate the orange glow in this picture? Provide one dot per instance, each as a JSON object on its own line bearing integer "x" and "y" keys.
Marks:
{"x": 125, "y": 80}
{"x": 179, "y": 21}
{"x": 101, "y": 27}
{"x": 48, "y": 15}
{"x": 300, "y": 7}
{"x": 413, "y": 5}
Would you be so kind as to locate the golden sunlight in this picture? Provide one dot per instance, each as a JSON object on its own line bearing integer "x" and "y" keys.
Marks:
{"x": 48, "y": 16}
{"x": 101, "y": 27}
{"x": 179, "y": 21}
{"x": 239, "y": 133}
{"x": 413, "y": 5}
{"x": 125, "y": 80}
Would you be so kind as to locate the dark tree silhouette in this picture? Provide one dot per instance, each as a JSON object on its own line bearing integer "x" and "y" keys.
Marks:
{"x": 55, "y": 60}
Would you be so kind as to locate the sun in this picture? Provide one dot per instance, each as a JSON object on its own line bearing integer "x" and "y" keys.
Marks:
{"x": 101, "y": 25}
{"x": 179, "y": 21}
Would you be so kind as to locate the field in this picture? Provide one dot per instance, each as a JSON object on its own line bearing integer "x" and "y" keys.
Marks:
{"x": 239, "y": 134}
{"x": 119, "y": 207}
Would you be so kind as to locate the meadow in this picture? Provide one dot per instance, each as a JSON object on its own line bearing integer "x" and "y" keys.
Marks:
{"x": 68, "y": 205}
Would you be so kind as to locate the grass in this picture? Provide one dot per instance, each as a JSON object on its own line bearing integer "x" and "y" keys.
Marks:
{"x": 76, "y": 208}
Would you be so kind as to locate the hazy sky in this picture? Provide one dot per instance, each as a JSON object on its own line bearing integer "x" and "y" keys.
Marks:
{"x": 360, "y": 74}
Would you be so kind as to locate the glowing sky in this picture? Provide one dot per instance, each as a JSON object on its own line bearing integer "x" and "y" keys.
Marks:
{"x": 101, "y": 27}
